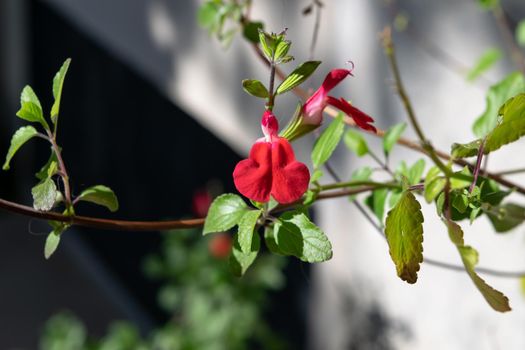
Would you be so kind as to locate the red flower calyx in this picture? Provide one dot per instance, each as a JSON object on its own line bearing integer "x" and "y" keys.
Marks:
{"x": 271, "y": 168}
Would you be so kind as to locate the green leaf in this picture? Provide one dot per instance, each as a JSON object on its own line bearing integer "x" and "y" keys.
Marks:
{"x": 326, "y": 143}
{"x": 240, "y": 261}
{"x": 282, "y": 49}
{"x": 395, "y": 196}
{"x": 225, "y": 212}
{"x": 101, "y": 195}
{"x": 44, "y": 195}
{"x": 460, "y": 202}
{"x": 58, "y": 83}
{"x": 30, "y": 109}
{"x": 434, "y": 184}
{"x": 376, "y": 202}
{"x": 520, "y": 33}
{"x": 391, "y": 136}
{"x": 53, "y": 239}
{"x": 46, "y": 171}
{"x": 512, "y": 125}
{"x": 266, "y": 44}
{"x": 469, "y": 256}
{"x": 296, "y": 235}
{"x": 247, "y": 229}
{"x": 497, "y": 300}
{"x": 488, "y": 4}
{"x": 316, "y": 175}
{"x": 415, "y": 173}
{"x": 461, "y": 179}
{"x": 465, "y": 150}
{"x": 20, "y": 137}
{"x": 360, "y": 174}
{"x": 255, "y": 88}
{"x": 356, "y": 142}
{"x": 207, "y": 14}
{"x": 251, "y": 31}
{"x": 506, "y": 217}
{"x": 271, "y": 242}
{"x": 404, "y": 233}
{"x": 298, "y": 76}
{"x": 512, "y": 85}
{"x": 484, "y": 63}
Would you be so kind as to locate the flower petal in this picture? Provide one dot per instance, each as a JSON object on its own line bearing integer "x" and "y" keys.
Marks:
{"x": 253, "y": 176}
{"x": 361, "y": 118}
{"x": 290, "y": 177}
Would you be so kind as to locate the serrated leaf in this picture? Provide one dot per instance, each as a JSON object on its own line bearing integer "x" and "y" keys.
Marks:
{"x": 44, "y": 195}
{"x": 247, "y": 228}
{"x": 251, "y": 31}
{"x": 512, "y": 85}
{"x": 30, "y": 107}
{"x": 240, "y": 261}
{"x": 225, "y": 212}
{"x": 296, "y": 235}
{"x": 376, "y": 202}
{"x": 497, "y": 300}
{"x": 434, "y": 184}
{"x": 404, "y": 233}
{"x": 255, "y": 88}
{"x": 101, "y": 195}
{"x": 455, "y": 232}
{"x": 465, "y": 150}
{"x": 326, "y": 144}
{"x": 298, "y": 76}
{"x": 512, "y": 125}
{"x": 484, "y": 63}
{"x": 506, "y": 217}
{"x": 391, "y": 136}
{"x": 356, "y": 142}
{"x": 520, "y": 33}
{"x": 20, "y": 137}
{"x": 58, "y": 83}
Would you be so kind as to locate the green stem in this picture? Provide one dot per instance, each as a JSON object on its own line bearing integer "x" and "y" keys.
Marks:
{"x": 359, "y": 183}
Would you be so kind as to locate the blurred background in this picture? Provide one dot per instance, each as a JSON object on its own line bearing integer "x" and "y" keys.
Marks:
{"x": 153, "y": 108}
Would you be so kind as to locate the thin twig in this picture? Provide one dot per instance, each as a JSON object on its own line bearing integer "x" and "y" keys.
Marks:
{"x": 515, "y": 52}
{"x": 510, "y": 172}
{"x": 478, "y": 165}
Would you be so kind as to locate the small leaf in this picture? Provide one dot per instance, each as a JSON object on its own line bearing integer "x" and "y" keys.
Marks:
{"x": 225, "y": 212}
{"x": 461, "y": 179}
{"x": 506, "y": 217}
{"x": 44, "y": 195}
{"x": 326, "y": 143}
{"x": 53, "y": 239}
{"x": 58, "y": 83}
{"x": 240, "y": 261}
{"x": 497, "y": 300}
{"x": 271, "y": 242}
{"x": 251, "y": 31}
{"x": 255, "y": 88}
{"x": 512, "y": 125}
{"x": 101, "y": 195}
{"x": 20, "y": 137}
{"x": 434, "y": 184}
{"x": 356, "y": 142}
{"x": 266, "y": 43}
{"x": 296, "y": 235}
{"x": 465, "y": 150}
{"x": 415, "y": 173}
{"x": 488, "y": 4}
{"x": 282, "y": 49}
{"x": 520, "y": 33}
{"x": 316, "y": 175}
{"x": 512, "y": 85}
{"x": 207, "y": 14}
{"x": 247, "y": 228}
{"x": 391, "y": 136}
{"x": 30, "y": 109}
{"x": 298, "y": 76}
{"x": 376, "y": 202}
{"x": 484, "y": 63}
{"x": 404, "y": 233}
{"x": 44, "y": 172}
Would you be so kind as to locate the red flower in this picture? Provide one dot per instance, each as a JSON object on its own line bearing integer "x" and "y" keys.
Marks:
{"x": 314, "y": 106}
{"x": 220, "y": 246}
{"x": 271, "y": 168}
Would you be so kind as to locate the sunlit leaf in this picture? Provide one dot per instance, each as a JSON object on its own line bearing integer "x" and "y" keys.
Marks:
{"x": 255, "y": 88}
{"x": 44, "y": 195}
{"x": 327, "y": 142}
{"x": 241, "y": 261}
{"x": 58, "y": 83}
{"x": 391, "y": 136}
{"x": 30, "y": 108}
{"x": 20, "y": 137}
{"x": 101, "y": 195}
{"x": 484, "y": 63}
{"x": 247, "y": 229}
{"x": 355, "y": 142}
{"x": 225, "y": 212}
{"x": 298, "y": 76}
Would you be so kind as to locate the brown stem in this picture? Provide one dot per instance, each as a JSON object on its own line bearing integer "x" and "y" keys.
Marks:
{"x": 62, "y": 169}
